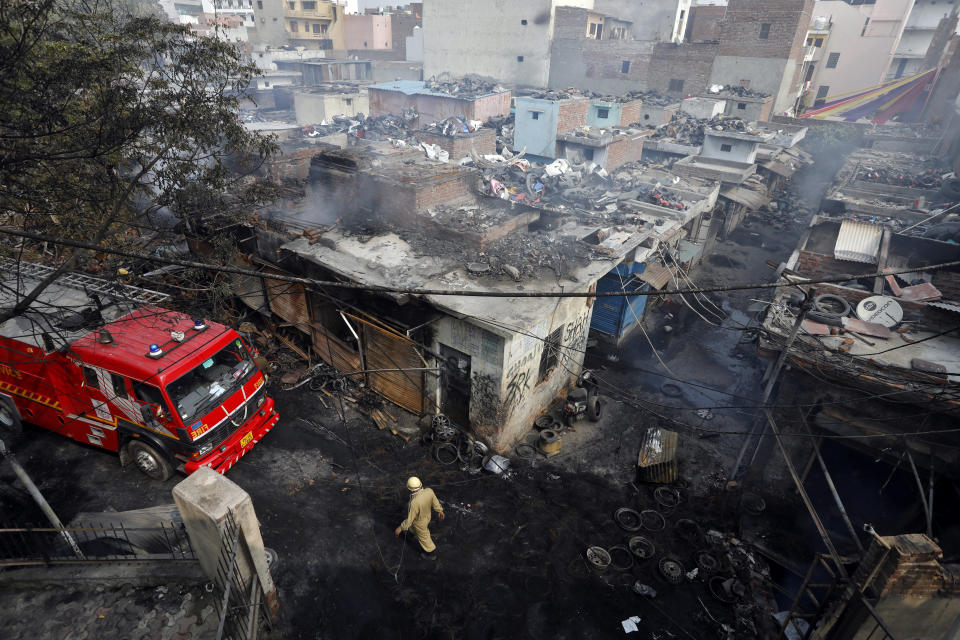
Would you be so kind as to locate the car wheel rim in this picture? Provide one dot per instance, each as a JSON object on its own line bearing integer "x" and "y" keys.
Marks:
{"x": 146, "y": 462}
{"x": 6, "y": 416}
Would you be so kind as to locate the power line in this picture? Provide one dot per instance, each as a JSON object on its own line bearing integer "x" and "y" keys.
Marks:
{"x": 448, "y": 292}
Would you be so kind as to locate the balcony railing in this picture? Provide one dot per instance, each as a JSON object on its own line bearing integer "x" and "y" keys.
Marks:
{"x": 322, "y": 12}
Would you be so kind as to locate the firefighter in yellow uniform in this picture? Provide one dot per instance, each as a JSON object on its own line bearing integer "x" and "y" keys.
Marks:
{"x": 418, "y": 516}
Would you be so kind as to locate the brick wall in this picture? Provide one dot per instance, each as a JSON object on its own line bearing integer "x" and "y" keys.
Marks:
{"x": 445, "y": 190}
{"x": 703, "y": 25}
{"x": 741, "y": 25}
{"x": 909, "y": 565}
{"x": 295, "y": 165}
{"x": 388, "y": 102}
{"x": 572, "y": 114}
{"x": 691, "y": 63}
{"x": 818, "y": 265}
{"x": 483, "y": 141}
{"x": 623, "y": 150}
{"x": 401, "y": 26}
{"x": 631, "y": 112}
{"x": 948, "y": 283}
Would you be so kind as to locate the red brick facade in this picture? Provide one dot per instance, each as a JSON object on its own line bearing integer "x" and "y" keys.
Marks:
{"x": 623, "y": 150}
{"x": 572, "y": 114}
{"x": 483, "y": 141}
{"x": 631, "y": 112}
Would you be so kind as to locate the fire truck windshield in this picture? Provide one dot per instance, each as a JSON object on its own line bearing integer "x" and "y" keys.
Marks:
{"x": 194, "y": 394}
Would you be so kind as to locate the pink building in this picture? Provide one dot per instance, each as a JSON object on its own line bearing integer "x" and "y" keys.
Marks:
{"x": 368, "y": 32}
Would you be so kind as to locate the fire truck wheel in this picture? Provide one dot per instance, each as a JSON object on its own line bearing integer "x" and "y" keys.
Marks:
{"x": 149, "y": 461}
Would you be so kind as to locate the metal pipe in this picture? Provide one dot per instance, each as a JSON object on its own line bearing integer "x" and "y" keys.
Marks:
{"x": 833, "y": 488}
{"x": 39, "y": 499}
{"x": 806, "y": 498}
{"x": 923, "y": 497}
{"x": 773, "y": 372}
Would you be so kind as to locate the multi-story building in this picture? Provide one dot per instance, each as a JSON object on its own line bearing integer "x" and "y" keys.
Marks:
{"x": 312, "y": 24}
{"x": 918, "y": 34}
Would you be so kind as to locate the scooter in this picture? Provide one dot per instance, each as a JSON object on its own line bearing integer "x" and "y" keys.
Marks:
{"x": 583, "y": 400}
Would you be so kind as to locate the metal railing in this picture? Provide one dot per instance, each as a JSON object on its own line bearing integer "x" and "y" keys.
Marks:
{"x": 28, "y": 546}
{"x": 241, "y": 608}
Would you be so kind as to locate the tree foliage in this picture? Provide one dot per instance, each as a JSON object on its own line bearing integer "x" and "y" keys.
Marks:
{"x": 107, "y": 116}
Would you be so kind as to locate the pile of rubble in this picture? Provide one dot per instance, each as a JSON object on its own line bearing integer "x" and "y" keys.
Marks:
{"x": 583, "y": 189}
{"x": 928, "y": 179}
{"x": 453, "y": 126}
{"x": 467, "y": 86}
{"x": 687, "y": 129}
{"x": 737, "y": 90}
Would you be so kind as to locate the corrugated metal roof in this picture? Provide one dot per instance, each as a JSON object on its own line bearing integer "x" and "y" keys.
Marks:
{"x": 748, "y": 198}
{"x": 779, "y": 168}
{"x": 657, "y": 275}
{"x": 858, "y": 242}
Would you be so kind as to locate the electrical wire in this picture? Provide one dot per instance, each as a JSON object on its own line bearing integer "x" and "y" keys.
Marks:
{"x": 449, "y": 292}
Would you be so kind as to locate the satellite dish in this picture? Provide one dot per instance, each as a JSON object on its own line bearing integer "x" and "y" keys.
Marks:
{"x": 880, "y": 310}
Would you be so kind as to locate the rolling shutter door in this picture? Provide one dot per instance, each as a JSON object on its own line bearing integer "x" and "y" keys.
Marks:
{"x": 385, "y": 349}
{"x": 289, "y": 301}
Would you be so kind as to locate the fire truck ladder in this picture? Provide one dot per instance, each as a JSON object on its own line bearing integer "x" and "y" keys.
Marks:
{"x": 83, "y": 282}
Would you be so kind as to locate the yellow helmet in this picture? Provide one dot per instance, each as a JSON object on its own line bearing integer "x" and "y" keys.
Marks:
{"x": 413, "y": 483}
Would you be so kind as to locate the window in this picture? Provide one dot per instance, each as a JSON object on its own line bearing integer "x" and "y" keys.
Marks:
{"x": 292, "y": 5}
{"x": 593, "y": 29}
{"x": 603, "y": 114}
{"x": 519, "y": 58}
{"x": 323, "y": 28}
{"x": 274, "y": 19}
{"x": 90, "y": 378}
{"x": 534, "y": 115}
{"x": 309, "y": 5}
{"x": 266, "y": 84}
{"x": 523, "y": 22}
{"x": 822, "y": 91}
{"x": 741, "y": 105}
{"x": 215, "y": 379}
{"x": 588, "y": 154}
{"x": 901, "y": 66}
{"x": 625, "y": 66}
{"x": 119, "y": 384}
{"x": 818, "y": 42}
{"x": 726, "y": 147}
{"x": 364, "y": 44}
{"x": 316, "y": 28}
{"x": 676, "y": 85}
{"x": 809, "y": 41}
{"x": 764, "y": 30}
{"x": 294, "y": 27}
{"x": 349, "y": 101}
{"x": 832, "y": 60}
{"x": 259, "y": 4}
{"x": 551, "y": 349}
{"x": 148, "y": 393}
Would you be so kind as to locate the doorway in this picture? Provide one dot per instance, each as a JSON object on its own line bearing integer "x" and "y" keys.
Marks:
{"x": 456, "y": 385}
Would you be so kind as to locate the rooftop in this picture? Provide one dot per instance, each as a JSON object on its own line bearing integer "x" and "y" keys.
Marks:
{"x": 420, "y": 87}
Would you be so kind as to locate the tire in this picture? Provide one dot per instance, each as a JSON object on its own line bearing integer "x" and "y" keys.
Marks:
{"x": 149, "y": 461}
{"x": 827, "y": 304}
{"x": 594, "y": 408}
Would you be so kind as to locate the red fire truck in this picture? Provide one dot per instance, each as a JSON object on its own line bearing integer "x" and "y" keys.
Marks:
{"x": 103, "y": 364}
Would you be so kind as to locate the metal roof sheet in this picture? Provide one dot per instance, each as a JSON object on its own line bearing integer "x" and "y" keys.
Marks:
{"x": 779, "y": 168}
{"x": 657, "y": 275}
{"x": 858, "y": 242}
{"x": 747, "y": 197}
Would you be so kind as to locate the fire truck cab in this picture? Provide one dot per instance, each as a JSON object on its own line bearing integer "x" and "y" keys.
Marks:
{"x": 103, "y": 364}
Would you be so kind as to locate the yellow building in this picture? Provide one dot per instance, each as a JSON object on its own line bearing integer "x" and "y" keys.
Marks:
{"x": 314, "y": 24}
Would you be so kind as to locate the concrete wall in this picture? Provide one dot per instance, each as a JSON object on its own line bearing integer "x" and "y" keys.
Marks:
{"x": 655, "y": 20}
{"x": 270, "y": 27}
{"x": 311, "y": 108}
{"x": 655, "y": 115}
{"x": 749, "y": 109}
{"x": 612, "y": 110}
{"x": 624, "y": 149}
{"x": 537, "y": 135}
{"x": 524, "y": 396}
{"x": 386, "y": 70}
{"x": 414, "y": 45}
{"x": 486, "y": 351}
{"x": 703, "y": 108}
{"x": 740, "y": 150}
{"x": 488, "y": 38}
{"x": 865, "y": 51}
{"x": 368, "y": 32}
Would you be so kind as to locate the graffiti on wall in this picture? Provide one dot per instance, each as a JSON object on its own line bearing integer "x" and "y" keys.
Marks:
{"x": 575, "y": 333}
{"x": 517, "y": 389}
